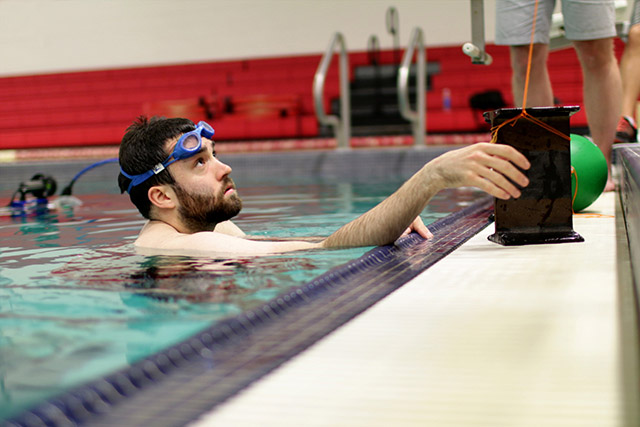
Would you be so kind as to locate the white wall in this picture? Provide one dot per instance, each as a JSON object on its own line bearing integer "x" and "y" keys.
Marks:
{"x": 39, "y": 36}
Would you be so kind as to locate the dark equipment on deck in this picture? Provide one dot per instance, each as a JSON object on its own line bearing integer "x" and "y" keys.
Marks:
{"x": 543, "y": 213}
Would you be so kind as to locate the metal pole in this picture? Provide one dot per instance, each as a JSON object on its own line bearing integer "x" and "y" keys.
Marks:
{"x": 475, "y": 49}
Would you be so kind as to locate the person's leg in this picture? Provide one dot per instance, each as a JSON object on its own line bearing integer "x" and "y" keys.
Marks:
{"x": 627, "y": 130}
{"x": 539, "y": 92}
{"x": 630, "y": 65}
{"x": 514, "y": 22}
{"x": 630, "y": 71}
{"x": 602, "y": 89}
{"x": 591, "y": 26}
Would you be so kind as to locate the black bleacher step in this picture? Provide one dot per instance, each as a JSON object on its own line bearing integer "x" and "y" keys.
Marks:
{"x": 369, "y": 105}
{"x": 371, "y": 130}
{"x": 380, "y": 91}
{"x": 387, "y": 129}
{"x": 373, "y": 99}
{"x": 367, "y": 72}
{"x": 376, "y": 113}
{"x": 388, "y": 83}
{"x": 386, "y": 75}
{"x": 368, "y": 109}
{"x": 370, "y": 122}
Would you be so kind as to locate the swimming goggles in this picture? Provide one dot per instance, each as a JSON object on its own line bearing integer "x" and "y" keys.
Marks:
{"x": 188, "y": 145}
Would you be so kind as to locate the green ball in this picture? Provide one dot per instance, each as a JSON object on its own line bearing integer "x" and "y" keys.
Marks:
{"x": 591, "y": 171}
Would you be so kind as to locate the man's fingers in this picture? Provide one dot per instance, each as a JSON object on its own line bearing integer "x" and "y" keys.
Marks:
{"x": 490, "y": 188}
{"x": 509, "y": 153}
{"x": 499, "y": 181}
{"x": 424, "y": 232}
{"x": 497, "y": 167}
{"x": 419, "y": 227}
{"x": 507, "y": 169}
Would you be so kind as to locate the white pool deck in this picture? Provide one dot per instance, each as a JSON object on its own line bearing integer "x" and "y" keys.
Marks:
{"x": 489, "y": 336}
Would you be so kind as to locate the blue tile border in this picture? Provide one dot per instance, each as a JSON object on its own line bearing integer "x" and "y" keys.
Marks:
{"x": 179, "y": 384}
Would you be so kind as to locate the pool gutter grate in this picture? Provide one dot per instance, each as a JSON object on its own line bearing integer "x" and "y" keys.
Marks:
{"x": 180, "y": 383}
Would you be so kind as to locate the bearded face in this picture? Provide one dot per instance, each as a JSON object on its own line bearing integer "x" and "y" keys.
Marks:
{"x": 203, "y": 211}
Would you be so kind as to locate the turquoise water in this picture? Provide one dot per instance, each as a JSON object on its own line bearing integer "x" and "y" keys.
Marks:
{"x": 77, "y": 302}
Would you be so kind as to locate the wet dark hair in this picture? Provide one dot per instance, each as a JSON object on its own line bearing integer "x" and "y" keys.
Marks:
{"x": 143, "y": 147}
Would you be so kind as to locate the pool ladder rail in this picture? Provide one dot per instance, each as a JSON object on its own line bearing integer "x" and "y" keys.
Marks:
{"x": 342, "y": 124}
{"x": 418, "y": 117}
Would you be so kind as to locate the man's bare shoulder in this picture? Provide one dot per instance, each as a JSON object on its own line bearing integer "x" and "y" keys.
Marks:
{"x": 161, "y": 237}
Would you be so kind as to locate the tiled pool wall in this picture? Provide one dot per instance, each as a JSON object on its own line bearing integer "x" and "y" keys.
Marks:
{"x": 351, "y": 164}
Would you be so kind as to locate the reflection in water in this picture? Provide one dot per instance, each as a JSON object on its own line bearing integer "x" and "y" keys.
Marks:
{"x": 171, "y": 278}
{"x": 82, "y": 313}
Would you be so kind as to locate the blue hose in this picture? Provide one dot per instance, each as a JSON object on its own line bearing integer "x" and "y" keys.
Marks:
{"x": 67, "y": 189}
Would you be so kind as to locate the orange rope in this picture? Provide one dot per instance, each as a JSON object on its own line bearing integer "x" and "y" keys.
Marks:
{"x": 575, "y": 192}
{"x": 524, "y": 114}
{"x": 593, "y": 215}
{"x": 533, "y": 33}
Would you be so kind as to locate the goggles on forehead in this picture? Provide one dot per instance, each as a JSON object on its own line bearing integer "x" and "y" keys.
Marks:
{"x": 188, "y": 145}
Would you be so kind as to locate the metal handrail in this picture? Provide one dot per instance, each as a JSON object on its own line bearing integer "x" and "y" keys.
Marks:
{"x": 341, "y": 125}
{"x": 417, "y": 118}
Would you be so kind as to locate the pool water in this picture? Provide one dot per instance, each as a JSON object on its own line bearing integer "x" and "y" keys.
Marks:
{"x": 77, "y": 302}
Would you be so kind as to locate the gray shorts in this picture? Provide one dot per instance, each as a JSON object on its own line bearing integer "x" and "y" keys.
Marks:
{"x": 635, "y": 15}
{"x": 583, "y": 20}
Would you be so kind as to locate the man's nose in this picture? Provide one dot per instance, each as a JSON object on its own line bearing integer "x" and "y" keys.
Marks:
{"x": 222, "y": 169}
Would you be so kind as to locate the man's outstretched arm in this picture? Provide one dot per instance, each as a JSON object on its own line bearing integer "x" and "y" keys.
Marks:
{"x": 490, "y": 167}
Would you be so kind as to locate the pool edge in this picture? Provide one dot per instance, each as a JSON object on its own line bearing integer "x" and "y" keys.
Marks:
{"x": 122, "y": 397}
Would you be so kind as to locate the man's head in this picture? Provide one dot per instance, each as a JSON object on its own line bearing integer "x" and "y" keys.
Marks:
{"x": 170, "y": 165}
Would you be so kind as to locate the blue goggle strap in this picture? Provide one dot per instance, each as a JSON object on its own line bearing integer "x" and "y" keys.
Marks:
{"x": 139, "y": 179}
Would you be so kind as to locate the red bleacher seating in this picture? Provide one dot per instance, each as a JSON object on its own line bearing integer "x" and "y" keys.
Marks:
{"x": 248, "y": 99}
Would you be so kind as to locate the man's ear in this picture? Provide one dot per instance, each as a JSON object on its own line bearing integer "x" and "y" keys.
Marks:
{"x": 162, "y": 196}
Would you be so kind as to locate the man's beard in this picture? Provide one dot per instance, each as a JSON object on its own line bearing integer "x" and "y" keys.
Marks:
{"x": 202, "y": 212}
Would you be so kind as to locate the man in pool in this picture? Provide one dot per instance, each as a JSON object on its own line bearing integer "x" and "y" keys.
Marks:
{"x": 170, "y": 170}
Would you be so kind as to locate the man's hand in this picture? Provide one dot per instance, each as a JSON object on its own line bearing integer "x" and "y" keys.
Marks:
{"x": 418, "y": 226}
{"x": 490, "y": 167}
